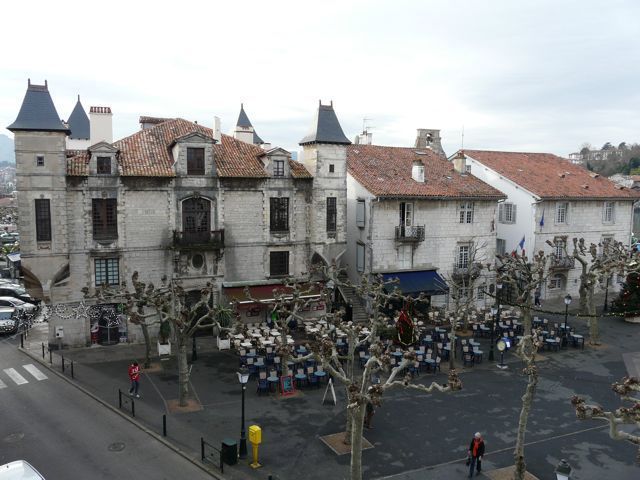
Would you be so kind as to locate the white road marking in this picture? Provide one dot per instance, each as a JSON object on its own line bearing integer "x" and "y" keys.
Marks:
{"x": 37, "y": 374}
{"x": 2, "y": 385}
{"x": 15, "y": 376}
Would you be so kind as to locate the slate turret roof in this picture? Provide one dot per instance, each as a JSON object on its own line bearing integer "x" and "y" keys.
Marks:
{"x": 325, "y": 128}
{"x": 244, "y": 122}
{"x": 78, "y": 122}
{"x": 38, "y": 113}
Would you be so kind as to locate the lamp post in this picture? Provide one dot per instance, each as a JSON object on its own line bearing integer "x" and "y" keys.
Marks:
{"x": 494, "y": 311}
{"x": 243, "y": 378}
{"x": 606, "y": 297}
{"x": 563, "y": 470}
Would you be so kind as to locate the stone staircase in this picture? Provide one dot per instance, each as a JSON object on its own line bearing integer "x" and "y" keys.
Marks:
{"x": 359, "y": 314}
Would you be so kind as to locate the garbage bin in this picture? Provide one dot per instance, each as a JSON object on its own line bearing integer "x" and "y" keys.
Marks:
{"x": 229, "y": 451}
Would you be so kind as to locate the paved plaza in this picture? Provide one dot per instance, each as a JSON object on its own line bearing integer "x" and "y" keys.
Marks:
{"x": 414, "y": 435}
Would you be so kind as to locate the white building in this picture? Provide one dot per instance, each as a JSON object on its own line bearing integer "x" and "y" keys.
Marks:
{"x": 551, "y": 199}
{"x": 412, "y": 216}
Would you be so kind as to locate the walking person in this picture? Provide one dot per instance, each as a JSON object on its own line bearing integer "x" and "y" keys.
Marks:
{"x": 134, "y": 376}
{"x": 476, "y": 451}
{"x": 536, "y": 298}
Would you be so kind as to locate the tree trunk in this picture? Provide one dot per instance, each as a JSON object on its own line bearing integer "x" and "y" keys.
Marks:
{"x": 527, "y": 401}
{"x": 356, "y": 442}
{"x": 452, "y": 342}
{"x": 349, "y": 427}
{"x": 594, "y": 332}
{"x": 147, "y": 344}
{"x": 526, "y": 315}
{"x": 183, "y": 370}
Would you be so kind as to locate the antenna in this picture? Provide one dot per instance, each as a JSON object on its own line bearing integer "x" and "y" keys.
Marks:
{"x": 366, "y": 127}
{"x": 462, "y": 139}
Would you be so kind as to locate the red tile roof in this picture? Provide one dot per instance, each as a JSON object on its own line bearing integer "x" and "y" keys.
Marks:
{"x": 386, "y": 172}
{"x": 147, "y": 153}
{"x": 549, "y": 176}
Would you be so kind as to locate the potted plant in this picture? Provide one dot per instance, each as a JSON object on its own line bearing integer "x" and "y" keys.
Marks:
{"x": 223, "y": 317}
{"x": 164, "y": 345}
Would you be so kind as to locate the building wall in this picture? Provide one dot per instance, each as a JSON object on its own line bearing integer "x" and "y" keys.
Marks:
{"x": 356, "y": 234}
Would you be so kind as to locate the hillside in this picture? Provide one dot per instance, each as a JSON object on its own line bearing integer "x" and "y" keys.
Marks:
{"x": 6, "y": 149}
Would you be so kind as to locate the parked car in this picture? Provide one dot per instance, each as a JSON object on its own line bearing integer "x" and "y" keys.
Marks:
{"x": 20, "y": 469}
{"x": 27, "y": 308}
{"x": 16, "y": 291}
{"x": 8, "y": 320}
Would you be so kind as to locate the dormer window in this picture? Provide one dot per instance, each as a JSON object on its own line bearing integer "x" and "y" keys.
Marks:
{"x": 417, "y": 172}
{"x": 103, "y": 165}
{"x": 278, "y": 168}
{"x": 195, "y": 161}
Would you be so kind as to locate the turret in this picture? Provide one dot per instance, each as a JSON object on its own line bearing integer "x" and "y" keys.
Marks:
{"x": 244, "y": 130}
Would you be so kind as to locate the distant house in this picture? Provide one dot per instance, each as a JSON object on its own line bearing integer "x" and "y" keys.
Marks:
{"x": 549, "y": 198}
{"x": 413, "y": 217}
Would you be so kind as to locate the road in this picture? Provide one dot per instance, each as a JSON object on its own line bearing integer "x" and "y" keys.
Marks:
{"x": 66, "y": 434}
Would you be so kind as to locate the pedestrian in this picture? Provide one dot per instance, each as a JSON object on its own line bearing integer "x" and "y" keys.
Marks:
{"x": 536, "y": 297}
{"x": 476, "y": 451}
{"x": 368, "y": 415}
{"x": 134, "y": 376}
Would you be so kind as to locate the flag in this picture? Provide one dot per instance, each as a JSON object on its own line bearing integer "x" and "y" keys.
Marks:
{"x": 542, "y": 220}
{"x": 521, "y": 245}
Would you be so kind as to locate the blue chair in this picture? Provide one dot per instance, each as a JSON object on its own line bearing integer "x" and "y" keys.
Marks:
{"x": 313, "y": 380}
{"x": 263, "y": 384}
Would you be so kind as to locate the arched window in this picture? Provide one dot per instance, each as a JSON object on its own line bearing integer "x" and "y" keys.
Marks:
{"x": 196, "y": 219}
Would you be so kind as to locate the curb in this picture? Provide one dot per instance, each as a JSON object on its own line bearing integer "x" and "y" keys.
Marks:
{"x": 131, "y": 420}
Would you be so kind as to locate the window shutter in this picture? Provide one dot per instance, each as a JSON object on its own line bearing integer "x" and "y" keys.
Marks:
{"x": 501, "y": 213}
{"x": 360, "y": 213}
{"x": 513, "y": 213}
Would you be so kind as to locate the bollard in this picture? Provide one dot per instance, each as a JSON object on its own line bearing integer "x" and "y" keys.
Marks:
{"x": 22, "y": 340}
{"x": 72, "y": 369}
{"x": 42, "y": 349}
{"x": 62, "y": 363}
{"x": 164, "y": 425}
{"x": 50, "y": 357}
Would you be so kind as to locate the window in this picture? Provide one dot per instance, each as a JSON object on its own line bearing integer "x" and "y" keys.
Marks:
{"x": 501, "y": 246}
{"x": 463, "y": 293}
{"x": 196, "y": 220}
{"x": 463, "y": 256}
{"x": 467, "y": 168}
{"x": 360, "y": 214}
{"x": 406, "y": 214}
{"x": 405, "y": 256}
{"x": 480, "y": 292}
{"x": 332, "y": 214}
{"x": 360, "y": 257}
{"x": 39, "y": 160}
{"x": 466, "y": 212}
{"x": 278, "y": 168}
{"x": 107, "y": 271}
{"x": 104, "y": 165}
{"x": 507, "y": 213}
{"x": 279, "y": 214}
{"x": 559, "y": 245}
{"x": 195, "y": 161}
{"x": 332, "y": 168}
{"x": 562, "y": 209}
{"x": 556, "y": 281}
{"x": 105, "y": 219}
{"x": 278, "y": 263}
{"x": 609, "y": 212}
{"x": 43, "y": 220}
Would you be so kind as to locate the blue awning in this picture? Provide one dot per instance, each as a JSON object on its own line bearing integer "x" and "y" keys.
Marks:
{"x": 413, "y": 283}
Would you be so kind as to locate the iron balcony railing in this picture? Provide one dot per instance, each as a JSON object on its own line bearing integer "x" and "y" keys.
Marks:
{"x": 466, "y": 270}
{"x": 213, "y": 239}
{"x": 410, "y": 234}
{"x": 559, "y": 263}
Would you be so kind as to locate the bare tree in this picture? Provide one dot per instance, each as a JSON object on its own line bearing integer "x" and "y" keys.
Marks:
{"x": 527, "y": 349}
{"x": 621, "y": 416}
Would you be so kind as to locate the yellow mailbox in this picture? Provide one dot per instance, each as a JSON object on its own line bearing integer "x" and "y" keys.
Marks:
{"x": 255, "y": 437}
{"x": 255, "y": 434}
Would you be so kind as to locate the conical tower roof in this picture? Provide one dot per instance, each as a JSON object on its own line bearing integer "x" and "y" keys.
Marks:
{"x": 38, "y": 113}
{"x": 79, "y": 122}
{"x": 325, "y": 128}
{"x": 244, "y": 122}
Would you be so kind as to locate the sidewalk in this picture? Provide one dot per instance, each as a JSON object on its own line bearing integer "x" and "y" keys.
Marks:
{"x": 415, "y": 436}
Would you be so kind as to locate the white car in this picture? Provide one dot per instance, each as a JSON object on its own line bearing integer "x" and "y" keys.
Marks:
{"x": 19, "y": 470}
{"x": 28, "y": 308}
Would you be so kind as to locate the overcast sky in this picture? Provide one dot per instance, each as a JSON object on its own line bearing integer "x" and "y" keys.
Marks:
{"x": 518, "y": 75}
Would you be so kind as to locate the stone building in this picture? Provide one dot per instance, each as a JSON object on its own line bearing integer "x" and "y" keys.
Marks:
{"x": 551, "y": 199}
{"x": 414, "y": 217}
{"x": 176, "y": 200}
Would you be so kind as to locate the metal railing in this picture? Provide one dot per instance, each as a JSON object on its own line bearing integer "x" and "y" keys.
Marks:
{"x": 212, "y": 239}
{"x": 562, "y": 262}
{"x": 410, "y": 234}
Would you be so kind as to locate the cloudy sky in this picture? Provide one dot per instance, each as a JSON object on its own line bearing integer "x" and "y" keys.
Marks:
{"x": 518, "y": 75}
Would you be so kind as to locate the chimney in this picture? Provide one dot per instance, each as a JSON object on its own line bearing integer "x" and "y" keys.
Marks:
{"x": 217, "y": 136}
{"x": 460, "y": 162}
{"x": 365, "y": 138}
{"x": 429, "y": 138}
{"x": 100, "y": 125}
{"x": 417, "y": 171}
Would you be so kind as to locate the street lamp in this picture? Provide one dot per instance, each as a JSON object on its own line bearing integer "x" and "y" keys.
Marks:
{"x": 243, "y": 378}
{"x": 565, "y": 330}
{"x": 494, "y": 311}
{"x": 606, "y": 296}
{"x": 563, "y": 470}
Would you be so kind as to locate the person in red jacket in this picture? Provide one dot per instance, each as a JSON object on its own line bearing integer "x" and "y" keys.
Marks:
{"x": 134, "y": 376}
{"x": 476, "y": 451}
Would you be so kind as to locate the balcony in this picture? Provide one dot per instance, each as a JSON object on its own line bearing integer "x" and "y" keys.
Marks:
{"x": 463, "y": 271}
{"x": 410, "y": 234}
{"x": 561, "y": 263}
{"x": 198, "y": 240}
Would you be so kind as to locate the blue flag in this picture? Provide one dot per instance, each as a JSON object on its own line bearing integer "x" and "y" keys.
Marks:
{"x": 542, "y": 219}
{"x": 521, "y": 244}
